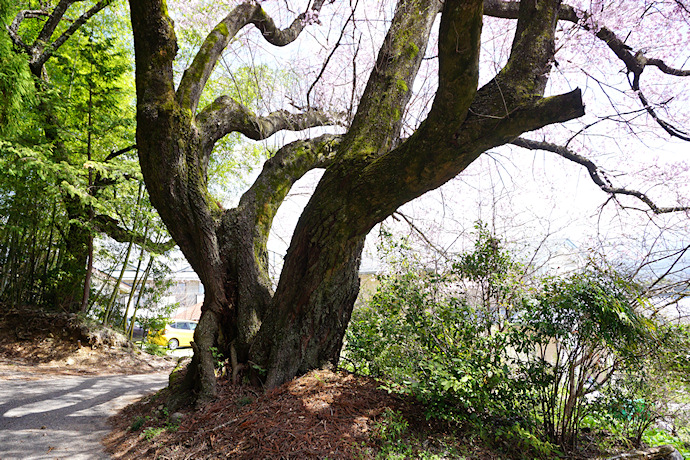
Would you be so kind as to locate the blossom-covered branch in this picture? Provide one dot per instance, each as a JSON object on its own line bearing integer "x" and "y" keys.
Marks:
{"x": 635, "y": 61}
{"x": 598, "y": 176}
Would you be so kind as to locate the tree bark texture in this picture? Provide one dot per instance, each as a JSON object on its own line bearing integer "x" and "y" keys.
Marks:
{"x": 369, "y": 171}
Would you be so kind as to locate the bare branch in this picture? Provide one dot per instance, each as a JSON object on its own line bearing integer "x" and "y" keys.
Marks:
{"x": 112, "y": 228}
{"x": 225, "y": 115}
{"x": 669, "y": 128}
{"x": 276, "y": 36}
{"x": 678, "y": 255}
{"x": 249, "y": 12}
{"x": 335, "y": 48}
{"x": 598, "y": 176}
{"x": 432, "y": 156}
{"x": 52, "y": 23}
{"x": 661, "y": 65}
{"x": 117, "y": 153}
{"x": 422, "y": 235}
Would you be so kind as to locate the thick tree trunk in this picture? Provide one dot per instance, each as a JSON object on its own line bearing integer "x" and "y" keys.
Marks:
{"x": 67, "y": 295}
{"x": 312, "y": 307}
{"x": 369, "y": 173}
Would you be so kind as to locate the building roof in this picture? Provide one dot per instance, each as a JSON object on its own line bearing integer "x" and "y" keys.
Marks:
{"x": 189, "y": 313}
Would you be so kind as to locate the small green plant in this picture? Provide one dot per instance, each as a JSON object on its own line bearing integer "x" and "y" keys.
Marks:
{"x": 137, "y": 423}
{"x": 391, "y": 427}
{"x": 220, "y": 362}
{"x": 172, "y": 427}
{"x": 396, "y": 441}
{"x": 389, "y": 432}
{"x": 515, "y": 438}
{"x": 260, "y": 370}
{"x": 156, "y": 350}
{"x": 151, "y": 432}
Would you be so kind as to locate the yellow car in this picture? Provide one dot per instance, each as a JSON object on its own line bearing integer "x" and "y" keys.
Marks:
{"x": 176, "y": 334}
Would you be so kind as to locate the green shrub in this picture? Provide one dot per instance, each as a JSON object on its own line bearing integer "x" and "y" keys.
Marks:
{"x": 154, "y": 349}
{"x": 476, "y": 343}
{"x": 428, "y": 339}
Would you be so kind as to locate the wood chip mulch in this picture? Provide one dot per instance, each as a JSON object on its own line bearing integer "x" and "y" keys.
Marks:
{"x": 320, "y": 415}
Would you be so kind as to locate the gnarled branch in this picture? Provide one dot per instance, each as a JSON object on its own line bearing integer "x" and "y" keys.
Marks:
{"x": 225, "y": 115}
{"x": 598, "y": 176}
{"x": 278, "y": 175}
{"x": 13, "y": 28}
{"x": 278, "y": 37}
{"x": 661, "y": 65}
{"x": 509, "y": 10}
{"x": 250, "y": 12}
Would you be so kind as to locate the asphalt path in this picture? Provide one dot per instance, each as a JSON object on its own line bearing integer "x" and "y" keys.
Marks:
{"x": 65, "y": 417}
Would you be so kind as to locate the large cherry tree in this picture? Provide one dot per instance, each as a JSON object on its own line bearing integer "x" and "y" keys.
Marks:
{"x": 369, "y": 169}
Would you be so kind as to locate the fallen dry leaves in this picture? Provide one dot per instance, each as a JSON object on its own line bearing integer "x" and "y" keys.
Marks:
{"x": 323, "y": 414}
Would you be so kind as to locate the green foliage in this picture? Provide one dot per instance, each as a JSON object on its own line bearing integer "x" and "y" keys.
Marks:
{"x": 154, "y": 349}
{"x": 654, "y": 437}
{"x": 518, "y": 441}
{"x": 651, "y": 387}
{"x": 389, "y": 432}
{"x": 137, "y": 424}
{"x": 17, "y": 90}
{"x": 58, "y": 155}
{"x": 152, "y": 431}
{"x": 420, "y": 332}
{"x": 477, "y": 343}
{"x": 576, "y": 334}
{"x": 220, "y": 362}
{"x": 159, "y": 421}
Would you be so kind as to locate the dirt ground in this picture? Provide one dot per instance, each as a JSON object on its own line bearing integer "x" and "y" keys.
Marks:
{"x": 35, "y": 343}
{"x": 323, "y": 414}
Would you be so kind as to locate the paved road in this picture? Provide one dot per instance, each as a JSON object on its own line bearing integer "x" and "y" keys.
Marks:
{"x": 65, "y": 417}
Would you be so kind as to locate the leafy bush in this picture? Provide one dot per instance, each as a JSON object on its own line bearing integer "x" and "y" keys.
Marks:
{"x": 577, "y": 334}
{"x": 476, "y": 342}
{"x": 420, "y": 332}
